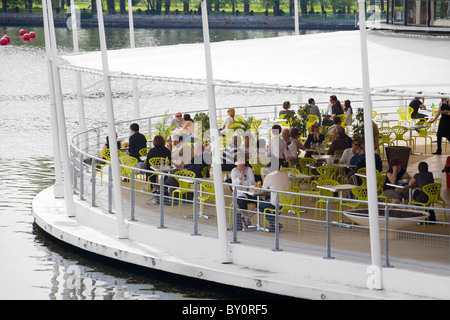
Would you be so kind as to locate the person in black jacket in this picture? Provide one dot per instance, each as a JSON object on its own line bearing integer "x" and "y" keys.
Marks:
{"x": 159, "y": 150}
{"x": 137, "y": 141}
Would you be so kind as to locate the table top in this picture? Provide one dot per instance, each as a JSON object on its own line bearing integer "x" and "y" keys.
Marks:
{"x": 401, "y": 186}
{"x": 163, "y": 168}
{"x": 321, "y": 156}
{"x": 317, "y": 150}
{"x": 299, "y": 176}
{"x": 336, "y": 188}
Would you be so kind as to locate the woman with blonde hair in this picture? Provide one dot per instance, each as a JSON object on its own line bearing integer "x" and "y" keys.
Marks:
{"x": 229, "y": 120}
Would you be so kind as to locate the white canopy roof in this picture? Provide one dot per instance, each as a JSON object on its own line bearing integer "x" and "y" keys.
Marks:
{"x": 411, "y": 63}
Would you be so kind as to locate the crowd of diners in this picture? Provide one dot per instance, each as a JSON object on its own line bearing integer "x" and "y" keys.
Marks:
{"x": 284, "y": 149}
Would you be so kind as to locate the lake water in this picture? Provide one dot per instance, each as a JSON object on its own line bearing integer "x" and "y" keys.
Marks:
{"x": 34, "y": 266}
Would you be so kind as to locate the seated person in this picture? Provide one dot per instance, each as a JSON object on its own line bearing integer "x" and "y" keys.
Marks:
{"x": 331, "y": 132}
{"x": 137, "y": 141}
{"x": 315, "y": 138}
{"x": 229, "y": 155}
{"x": 159, "y": 150}
{"x": 276, "y": 150}
{"x": 395, "y": 174}
{"x": 421, "y": 179}
{"x": 181, "y": 151}
{"x": 286, "y": 107}
{"x": 243, "y": 176}
{"x": 276, "y": 180}
{"x": 340, "y": 143}
{"x": 196, "y": 165}
{"x": 291, "y": 152}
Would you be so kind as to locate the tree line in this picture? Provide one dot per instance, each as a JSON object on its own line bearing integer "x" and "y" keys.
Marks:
{"x": 214, "y": 6}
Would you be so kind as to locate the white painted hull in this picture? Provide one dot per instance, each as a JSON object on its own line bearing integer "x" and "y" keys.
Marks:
{"x": 299, "y": 275}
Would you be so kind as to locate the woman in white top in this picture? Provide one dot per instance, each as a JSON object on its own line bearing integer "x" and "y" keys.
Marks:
{"x": 243, "y": 176}
{"x": 349, "y": 112}
{"x": 188, "y": 129}
{"x": 229, "y": 120}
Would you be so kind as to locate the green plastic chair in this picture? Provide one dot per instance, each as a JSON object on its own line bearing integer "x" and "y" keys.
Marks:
{"x": 326, "y": 193}
{"x": 433, "y": 191}
{"x": 286, "y": 204}
{"x": 183, "y": 188}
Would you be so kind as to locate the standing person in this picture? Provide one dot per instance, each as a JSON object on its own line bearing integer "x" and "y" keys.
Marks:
{"x": 177, "y": 121}
{"x": 276, "y": 180}
{"x": 444, "y": 124}
{"x": 242, "y": 175}
{"x": 286, "y": 107}
{"x": 421, "y": 179}
{"x": 315, "y": 111}
{"x": 349, "y": 112}
{"x": 394, "y": 175}
{"x": 137, "y": 141}
{"x": 417, "y": 103}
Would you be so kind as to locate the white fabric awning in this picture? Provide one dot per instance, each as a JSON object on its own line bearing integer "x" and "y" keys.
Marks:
{"x": 396, "y": 62}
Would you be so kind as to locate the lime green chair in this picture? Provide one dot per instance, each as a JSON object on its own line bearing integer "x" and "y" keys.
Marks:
{"x": 343, "y": 119}
{"x": 207, "y": 193}
{"x": 433, "y": 191}
{"x": 381, "y": 177}
{"x": 153, "y": 162}
{"x": 325, "y": 172}
{"x": 399, "y": 132}
{"x": 360, "y": 193}
{"x": 310, "y": 120}
{"x": 321, "y": 203}
{"x": 127, "y": 161}
{"x": 423, "y": 133}
{"x": 286, "y": 205}
{"x": 184, "y": 187}
{"x": 106, "y": 154}
{"x": 405, "y": 115}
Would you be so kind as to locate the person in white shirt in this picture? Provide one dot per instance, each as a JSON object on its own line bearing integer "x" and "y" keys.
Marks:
{"x": 242, "y": 175}
{"x": 349, "y": 153}
{"x": 177, "y": 121}
{"x": 276, "y": 180}
{"x": 276, "y": 149}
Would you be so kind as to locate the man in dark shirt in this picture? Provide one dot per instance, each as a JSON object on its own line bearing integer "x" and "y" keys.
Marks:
{"x": 340, "y": 143}
{"x": 137, "y": 141}
{"x": 417, "y": 104}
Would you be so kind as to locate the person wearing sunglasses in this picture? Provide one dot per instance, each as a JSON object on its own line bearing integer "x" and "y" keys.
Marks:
{"x": 177, "y": 121}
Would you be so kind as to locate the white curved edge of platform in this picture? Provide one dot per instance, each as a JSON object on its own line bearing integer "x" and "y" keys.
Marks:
{"x": 284, "y": 273}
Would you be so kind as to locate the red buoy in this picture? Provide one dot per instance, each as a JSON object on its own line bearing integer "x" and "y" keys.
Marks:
{"x": 22, "y": 32}
{"x": 7, "y": 38}
{"x": 3, "y": 41}
{"x": 32, "y": 35}
{"x": 26, "y": 37}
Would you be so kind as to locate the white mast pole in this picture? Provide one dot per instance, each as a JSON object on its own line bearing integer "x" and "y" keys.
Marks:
{"x": 68, "y": 192}
{"x": 297, "y": 32}
{"x": 216, "y": 160}
{"x": 58, "y": 187}
{"x": 117, "y": 185}
{"x": 79, "y": 86}
{"x": 370, "y": 157}
{"x": 137, "y": 110}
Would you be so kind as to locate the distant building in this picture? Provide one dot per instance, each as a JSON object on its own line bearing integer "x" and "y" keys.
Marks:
{"x": 416, "y": 15}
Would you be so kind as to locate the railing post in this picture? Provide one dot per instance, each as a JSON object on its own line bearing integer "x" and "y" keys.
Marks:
{"x": 81, "y": 177}
{"x": 328, "y": 225}
{"x": 386, "y": 235}
{"x": 234, "y": 202}
{"x": 109, "y": 189}
{"x": 195, "y": 204}
{"x": 132, "y": 196}
{"x": 93, "y": 182}
{"x": 277, "y": 224}
{"x": 161, "y": 202}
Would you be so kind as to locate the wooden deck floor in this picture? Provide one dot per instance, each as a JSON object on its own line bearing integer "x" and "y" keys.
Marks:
{"x": 422, "y": 246}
